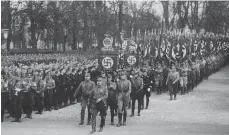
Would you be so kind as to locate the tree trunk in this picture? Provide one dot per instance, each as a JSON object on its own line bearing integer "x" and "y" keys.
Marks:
{"x": 196, "y": 14}
{"x": 120, "y": 20}
{"x": 74, "y": 26}
{"x": 33, "y": 33}
{"x": 9, "y": 26}
{"x": 55, "y": 30}
{"x": 166, "y": 13}
{"x": 85, "y": 29}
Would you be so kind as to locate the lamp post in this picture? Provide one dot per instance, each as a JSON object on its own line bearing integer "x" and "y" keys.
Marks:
{"x": 5, "y": 33}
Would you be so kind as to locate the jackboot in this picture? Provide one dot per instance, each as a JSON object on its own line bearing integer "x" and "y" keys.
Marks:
{"x": 82, "y": 117}
{"x": 171, "y": 98}
{"x": 119, "y": 120}
{"x": 124, "y": 119}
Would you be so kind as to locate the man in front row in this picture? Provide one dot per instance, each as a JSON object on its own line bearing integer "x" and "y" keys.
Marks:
{"x": 86, "y": 87}
{"x": 172, "y": 82}
{"x": 136, "y": 93}
{"x": 98, "y": 99}
{"x": 123, "y": 93}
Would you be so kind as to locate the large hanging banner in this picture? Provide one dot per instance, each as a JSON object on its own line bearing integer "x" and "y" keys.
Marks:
{"x": 131, "y": 60}
{"x": 108, "y": 62}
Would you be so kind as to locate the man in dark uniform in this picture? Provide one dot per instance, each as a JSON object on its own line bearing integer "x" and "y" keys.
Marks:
{"x": 86, "y": 87}
{"x": 17, "y": 101}
{"x": 79, "y": 79}
{"x": 193, "y": 76}
{"x": 69, "y": 85}
{"x": 146, "y": 88}
{"x": 111, "y": 101}
{"x": 62, "y": 88}
{"x": 99, "y": 96}
{"x": 56, "y": 89}
{"x": 40, "y": 94}
{"x": 159, "y": 78}
{"x": 28, "y": 95}
{"x": 4, "y": 94}
{"x": 123, "y": 93}
{"x": 136, "y": 93}
{"x": 73, "y": 77}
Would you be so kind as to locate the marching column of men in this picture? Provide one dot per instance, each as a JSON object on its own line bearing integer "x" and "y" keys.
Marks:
{"x": 24, "y": 90}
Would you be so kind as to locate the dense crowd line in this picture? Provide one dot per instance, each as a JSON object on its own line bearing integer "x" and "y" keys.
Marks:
{"x": 53, "y": 85}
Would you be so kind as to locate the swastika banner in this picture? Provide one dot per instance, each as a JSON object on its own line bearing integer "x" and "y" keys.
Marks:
{"x": 108, "y": 62}
{"x": 131, "y": 60}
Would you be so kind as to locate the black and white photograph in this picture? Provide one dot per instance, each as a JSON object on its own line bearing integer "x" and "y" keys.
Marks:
{"x": 114, "y": 67}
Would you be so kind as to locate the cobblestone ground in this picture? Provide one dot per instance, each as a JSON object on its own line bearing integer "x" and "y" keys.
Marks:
{"x": 202, "y": 112}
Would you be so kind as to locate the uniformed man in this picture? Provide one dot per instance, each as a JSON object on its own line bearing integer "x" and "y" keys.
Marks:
{"x": 112, "y": 100}
{"x": 17, "y": 101}
{"x": 69, "y": 85}
{"x": 4, "y": 94}
{"x": 99, "y": 96}
{"x": 56, "y": 89}
{"x": 202, "y": 68}
{"x": 123, "y": 93}
{"x": 183, "y": 78}
{"x": 136, "y": 92}
{"x": 146, "y": 88}
{"x": 86, "y": 87}
{"x": 159, "y": 79}
{"x": 41, "y": 84}
{"x": 193, "y": 76}
{"x": 49, "y": 88}
{"x": 73, "y": 76}
{"x": 28, "y": 94}
{"x": 172, "y": 82}
{"x": 104, "y": 81}
{"x": 62, "y": 88}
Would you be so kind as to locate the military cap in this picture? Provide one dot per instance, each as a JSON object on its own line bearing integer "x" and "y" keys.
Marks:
{"x": 123, "y": 72}
{"x": 87, "y": 75}
{"x": 144, "y": 69}
{"x": 99, "y": 79}
{"x": 109, "y": 76}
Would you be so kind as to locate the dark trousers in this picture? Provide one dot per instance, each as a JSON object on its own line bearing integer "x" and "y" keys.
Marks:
{"x": 173, "y": 89}
{"x": 148, "y": 94}
{"x": 84, "y": 104}
{"x": 134, "y": 97}
{"x": 28, "y": 102}
{"x": 113, "y": 106}
{"x": 5, "y": 103}
{"x": 40, "y": 103}
{"x": 160, "y": 86}
{"x": 55, "y": 98}
{"x": 61, "y": 95}
{"x": 48, "y": 99}
{"x": 17, "y": 102}
{"x": 98, "y": 107}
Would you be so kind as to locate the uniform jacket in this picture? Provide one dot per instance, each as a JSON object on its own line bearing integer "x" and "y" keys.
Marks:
{"x": 86, "y": 87}
{"x": 123, "y": 88}
{"x": 112, "y": 86}
{"x": 137, "y": 84}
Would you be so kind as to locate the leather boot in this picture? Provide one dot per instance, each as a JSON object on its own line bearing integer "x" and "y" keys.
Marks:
{"x": 82, "y": 117}
{"x": 88, "y": 121}
{"x": 124, "y": 119}
{"x": 171, "y": 98}
{"x": 119, "y": 120}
